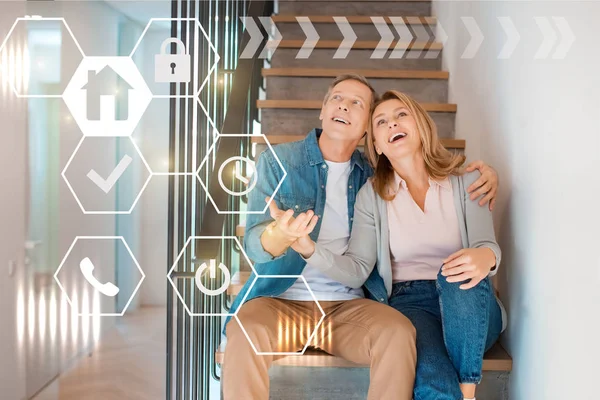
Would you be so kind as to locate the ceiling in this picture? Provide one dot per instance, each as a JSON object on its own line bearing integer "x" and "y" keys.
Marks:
{"x": 142, "y": 11}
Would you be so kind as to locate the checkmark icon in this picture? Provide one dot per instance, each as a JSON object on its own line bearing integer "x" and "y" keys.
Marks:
{"x": 107, "y": 184}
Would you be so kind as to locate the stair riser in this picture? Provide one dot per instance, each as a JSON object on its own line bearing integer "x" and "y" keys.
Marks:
{"x": 362, "y": 31}
{"x": 311, "y": 88}
{"x": 360, "y": 59}
{"x": 299, "y": 121}
{"x": 375, "y": 8}
{"x": 300, "y": 383}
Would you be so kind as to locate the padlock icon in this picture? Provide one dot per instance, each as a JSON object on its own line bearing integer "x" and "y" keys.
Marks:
{"x": 172, "y": 67}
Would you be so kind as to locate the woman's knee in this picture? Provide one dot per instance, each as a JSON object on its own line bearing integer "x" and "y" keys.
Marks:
{"x": 446, "y": 288}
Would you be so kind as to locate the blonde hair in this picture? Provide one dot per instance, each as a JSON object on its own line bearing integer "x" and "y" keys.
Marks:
{"x": 439, "y": 161}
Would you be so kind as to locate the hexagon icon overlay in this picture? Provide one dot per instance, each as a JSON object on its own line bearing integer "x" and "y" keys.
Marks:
{"x": 283, "y": 331}
{"x": 233, "y": 170}
{"x": 107, "y": 96}
{"x": 39, "y": 60}
{"x": 81, "y": 272}
{"x": 100, "y": 187}
{"x": 190, "y": 285}
{"x": 160, "y": 89}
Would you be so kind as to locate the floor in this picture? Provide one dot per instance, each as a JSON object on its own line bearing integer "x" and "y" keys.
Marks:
{"x": 129, "y": 363}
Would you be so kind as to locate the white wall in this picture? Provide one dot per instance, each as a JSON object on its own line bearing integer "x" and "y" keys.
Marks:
{"x": 13, "y": 289}
{"x": 537, "y": 122}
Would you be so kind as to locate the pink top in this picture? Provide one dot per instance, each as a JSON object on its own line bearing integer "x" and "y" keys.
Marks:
{"x": 420, "y": 241}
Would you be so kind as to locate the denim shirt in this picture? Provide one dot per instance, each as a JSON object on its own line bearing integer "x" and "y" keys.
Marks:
{"x": 302, "y": 189}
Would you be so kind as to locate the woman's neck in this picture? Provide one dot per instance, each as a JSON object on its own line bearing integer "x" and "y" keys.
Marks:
{"x": 412, "y": 170}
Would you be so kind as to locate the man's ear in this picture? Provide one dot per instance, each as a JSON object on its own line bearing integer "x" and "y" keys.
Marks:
{"x": 321, "y": 116}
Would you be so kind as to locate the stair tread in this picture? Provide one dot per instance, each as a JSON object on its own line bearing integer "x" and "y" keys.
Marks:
{"x": 317, "y": 104}
{"x": 277, "y": 139}
{"x": 496, "y": 359}
{"x": 367, "y": 73}
{"x": 353, "y": 19}
{"x": 359, "y": 44}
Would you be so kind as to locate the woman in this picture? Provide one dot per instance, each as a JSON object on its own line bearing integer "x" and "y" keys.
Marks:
{"x": 412, "y": 218}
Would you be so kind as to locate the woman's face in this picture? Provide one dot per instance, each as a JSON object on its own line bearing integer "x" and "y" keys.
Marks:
{"x": 395, "y": 130}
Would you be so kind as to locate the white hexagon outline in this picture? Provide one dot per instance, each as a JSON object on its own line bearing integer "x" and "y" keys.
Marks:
{"x": 210, "y": 44}
{"x": 211, "y": 150}
{"x": 132, "y": 257}
{"x": 282, "y": 353}
{"x": 11, "y": 84}
{"x": 106, "y": 212}
{"x": 190, "y": 313}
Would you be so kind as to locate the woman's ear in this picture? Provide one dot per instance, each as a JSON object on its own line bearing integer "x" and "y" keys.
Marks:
{"x": 378, "y": 150}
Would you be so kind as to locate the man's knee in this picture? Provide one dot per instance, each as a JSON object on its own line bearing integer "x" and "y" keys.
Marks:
{"x": 401, "y": 327}
{"x": 394, "y": 328}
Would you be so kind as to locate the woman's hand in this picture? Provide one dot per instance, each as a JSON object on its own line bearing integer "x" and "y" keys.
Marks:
{"x": 486, "y": 185}
{"x": 304, "y": 246}
{"x": 474, "y": 264}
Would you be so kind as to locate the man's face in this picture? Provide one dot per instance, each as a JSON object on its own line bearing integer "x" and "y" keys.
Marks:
{"x": 345, "y": 114}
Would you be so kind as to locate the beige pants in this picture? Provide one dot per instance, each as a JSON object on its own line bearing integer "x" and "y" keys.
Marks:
{"x": 362, "y": 331}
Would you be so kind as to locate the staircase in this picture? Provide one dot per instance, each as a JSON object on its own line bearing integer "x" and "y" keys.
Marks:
{"x": 294, "y": 94}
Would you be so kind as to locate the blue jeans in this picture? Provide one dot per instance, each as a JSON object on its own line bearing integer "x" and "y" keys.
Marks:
{"x": 455, "y": 327}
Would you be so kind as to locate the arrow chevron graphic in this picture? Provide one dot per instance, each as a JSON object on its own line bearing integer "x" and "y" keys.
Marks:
{"x": 567, "y": 38}
{"x": 476, "y": 37}
{"x": 513, "y": 37}
{"x": 256, "y": 37}
{"x": 312, "y": 37}
{"x": 349, "y": 37}
{"x": 387, "y": 37}
{"x": 420, "y": 32}
{"x": 274, "y": 35}
{"x": 550, "y": 37}
{"x": 406, "y": 37}
{"x": 439, "y": 36}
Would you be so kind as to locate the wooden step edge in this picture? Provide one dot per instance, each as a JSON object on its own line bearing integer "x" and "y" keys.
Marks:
{"x": 240, "y": 229}
{"x": 353, "y": 19}
{"x": 358, "y": 45}
{"x": 496, "y": 359}
{"x": 237, "y": 282}
{"x": 317, "y": 104}
{"x": 458, "y": 144}
{"x": 367, "y": 73}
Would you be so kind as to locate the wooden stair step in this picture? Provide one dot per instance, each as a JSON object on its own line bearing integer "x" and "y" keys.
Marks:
{"x": 353, "y": 7}
{"x": 459, "y": 144}
{"x": 353, "y": 19}
{"x": 359, "y": 44}
{"x": 496, "y": 359}
{"x": 237, "y": 282}
{"x": 367, "y": 73}
{"x": 317, "y": 104}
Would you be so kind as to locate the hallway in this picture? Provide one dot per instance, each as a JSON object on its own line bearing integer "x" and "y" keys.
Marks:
{"x": 128, "y": 363}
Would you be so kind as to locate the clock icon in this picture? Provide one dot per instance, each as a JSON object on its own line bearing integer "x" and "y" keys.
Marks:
{"x": 236, "y": 166}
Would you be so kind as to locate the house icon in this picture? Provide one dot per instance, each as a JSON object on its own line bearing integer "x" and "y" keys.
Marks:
{"x": 107, "y": 96}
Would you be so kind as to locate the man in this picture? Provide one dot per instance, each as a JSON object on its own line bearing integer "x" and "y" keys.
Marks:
{"x": 325, "y": 172}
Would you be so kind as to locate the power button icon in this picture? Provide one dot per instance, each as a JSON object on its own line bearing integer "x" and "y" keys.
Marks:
{"x": 212, "y": 273}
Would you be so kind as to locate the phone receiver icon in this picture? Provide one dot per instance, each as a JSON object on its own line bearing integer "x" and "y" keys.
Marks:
{"x": 212, "y": 271}
{"x": 87, "y": 269}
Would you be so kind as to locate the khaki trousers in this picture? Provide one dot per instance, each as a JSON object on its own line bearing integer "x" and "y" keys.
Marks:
{"x": 361, "y": 330}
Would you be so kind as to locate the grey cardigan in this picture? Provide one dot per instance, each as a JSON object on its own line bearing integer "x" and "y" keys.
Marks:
{"x": 370, "y": 242}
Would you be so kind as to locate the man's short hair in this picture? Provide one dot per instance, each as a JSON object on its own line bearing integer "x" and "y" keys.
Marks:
{"x": 354, "y": 77}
